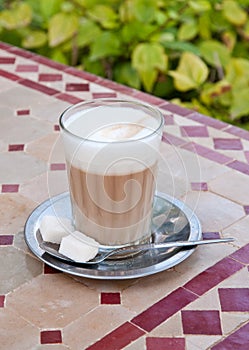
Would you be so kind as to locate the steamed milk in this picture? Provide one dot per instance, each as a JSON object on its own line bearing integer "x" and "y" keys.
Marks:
{"x": 112, "y": 178}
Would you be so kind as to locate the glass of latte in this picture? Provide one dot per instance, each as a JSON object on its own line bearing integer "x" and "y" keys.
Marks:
{"x": 112, "y": 150}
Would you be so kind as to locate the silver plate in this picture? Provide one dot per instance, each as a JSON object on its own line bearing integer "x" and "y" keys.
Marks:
{"x": 172, "y": 220}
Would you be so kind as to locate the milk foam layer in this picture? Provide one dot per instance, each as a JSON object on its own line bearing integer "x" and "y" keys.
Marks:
{"x": 102, "y": 140}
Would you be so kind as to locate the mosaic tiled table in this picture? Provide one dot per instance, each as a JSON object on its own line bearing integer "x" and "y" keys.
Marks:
{"x": 202, "y": 303}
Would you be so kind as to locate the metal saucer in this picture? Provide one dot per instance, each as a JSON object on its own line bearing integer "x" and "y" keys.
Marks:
{"x": 172, "y": 220}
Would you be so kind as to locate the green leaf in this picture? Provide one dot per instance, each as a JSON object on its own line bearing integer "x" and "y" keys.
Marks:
{"x": 234, "y": 13}
{"x": 144, "y": 10}
{"x": 133, "y": 31}
{"x": 204, "y": 24}
{"x": 124, "y": 73}
{"x": 213, "y": 92}
{"x": 240, "y": 104}
{"x": 181, "y": 46}
{"x": 106, "y": 44}
{"x": 200, "y": 6}
{"x": 237, "y": 73}
{"x": 62, "y": 27}
{"x": 190, "y": 73}
{"x": 88, "y": 32}
{"x": 48, "y": 8}
{"x": 214, "y": 53}
{"x": 188, "y": 31}
{"x": 105, "y": 15}
{"x": 148, "y": 59}
{"x": 34, "y": 39}
{"x": 58, "y": 56}
{"x": 19, "y": 16}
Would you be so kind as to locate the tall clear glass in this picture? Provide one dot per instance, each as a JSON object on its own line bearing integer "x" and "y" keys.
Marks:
{"x": 112, "y": 150}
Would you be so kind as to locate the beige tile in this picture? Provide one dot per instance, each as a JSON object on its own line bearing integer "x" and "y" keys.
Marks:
{"x": 232, "y": 185}
{"x": 232, "y": 321}
{"x": 51, "y": 347}
{"x": 50, "y": 111}
{"x": 208, "y": 301}
{"x": 21, "y": 268}
{"x": 239, "y": 279}
{"x": 139, "y": 344}
{"x": 14, "y": 210}
{"x": 170, "y": 328}
{"x": 215, "y": 212}
{"x": 17, "y": 333}
{"x": 238, "y": 230}
{"x": 201, "y": 342}
{"x": 100, "y": 321}
{"x": 55, "y": 300}
{"x": 41, "y": 147}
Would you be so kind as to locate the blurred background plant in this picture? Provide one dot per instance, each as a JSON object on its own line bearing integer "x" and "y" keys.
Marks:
{"x": 192, "y": 52}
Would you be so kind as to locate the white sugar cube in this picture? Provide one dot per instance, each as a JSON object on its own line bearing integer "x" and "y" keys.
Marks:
{"x": 54, "y": 228}
{"x": 79, "y": 247}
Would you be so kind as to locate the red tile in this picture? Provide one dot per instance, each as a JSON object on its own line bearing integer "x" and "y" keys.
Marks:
{"x": 39, "y": 87}
{"x": 50, "y": 270}
{"x": 176, "y": 109}
{"x": 5, "y": 46}
{"x": 164, "y": 309}
{"x": 241, "y": 133}
{"x": 150, "y": 99}
{"x": 9, "y": 75}
{"x": 20, "y": 52}
{"x": 213, "y": 276}
{"x": 157, "y": 343}
{"x": 77, "y": 87}
{"x": 211, "y": 235}
{"x": 29, "y": 68}
{"x": 58, "y": 166}
{"x": 234, "y": 299}
{"x": 56, "y": 127}
{"x": 68, "y": 98}
{"x": 201, "y": 322}
{"x": 51, "y": 337}
{"x": 172, "y": 139}
{"x": 119, "y": 338}
{"x": 110, "y": 298}
{"x": 238, "y": 340}
{"x": 203, "y": 119}
{"x": 81, "y": 74}
{"x": 13, "y": 148}
{"x": 49, "y": 77}
{"x": 6, "y": 239}
{"x": 10, "y": 188}
{"x": 104, "y": 94}
{"x": 246, "y": 208}
{"x": 240, "y": 166}
{"x": 23, "y": 112}
{"x": 199, "y": 186}
{"x": 169, "y": 119}
{"x": 47, "y": 62}
{"x": 7, "y": 60}
{"x": 207, "y": 153}
{"x": 194, "y": 131}
{"x": 242, "y": 255}
{"x": 2, "y": 299}
{"x": 227, "y": 144}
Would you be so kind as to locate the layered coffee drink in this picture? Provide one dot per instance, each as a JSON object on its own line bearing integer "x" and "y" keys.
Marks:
{"x": 112, "y": 149}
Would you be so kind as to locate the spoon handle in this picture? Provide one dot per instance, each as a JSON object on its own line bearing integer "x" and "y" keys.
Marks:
{"x": 173, "y": 244}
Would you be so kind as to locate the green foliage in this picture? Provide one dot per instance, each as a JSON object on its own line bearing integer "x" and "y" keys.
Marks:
{"x": 193, "y": 52}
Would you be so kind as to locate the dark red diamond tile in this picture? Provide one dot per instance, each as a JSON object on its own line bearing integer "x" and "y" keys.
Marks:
{"x": 10, "y": 188}
{"x": 240, "y": 166}
{"x": 239, "y": 340}
{"x": 2, "y": 299}
{"x": 201, "y": 322}
{"x": 246, "y": 153}
{"x": 211, "y": 235}
{"x": 9, "y": 75}
{"x": 6, "y": 239}
{"x": 246, "y": 208}
{"x": 110, "y": 298}
{"x": 213, "y": 276}
{"x": 77, "y": 87}
{"x": 163, "y": 309}
{"x": 242, "y": 255}
{"x": 57, "y": 166}
{"x": 194, "y": 131}
{"x": 51, "y": 337}
{"x": 157, "y": 343}
{"x": 234, "y": 299}
{"x": 28, "y": 68}
{"x": 49, "y": 77}
{"x": 119, "y": 338}
{"x": 7, "y": 60}
{"x": 50, "y": 270}
{"x": 169, "y": 119}
{"x": 68, "y": 98}
{"x": 227, "y": 144}
{"x": 56, "y": 127}
{"x": 199, "y": 186}
{"x": 104, "y": 94}
{"x": 23, "y": 112}
{"x": 39, "y": 87}
{"x": 13, "y": 148}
